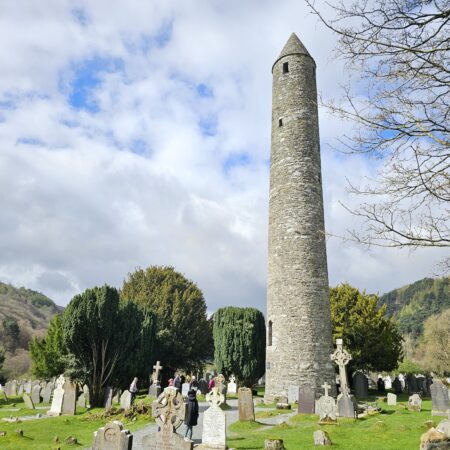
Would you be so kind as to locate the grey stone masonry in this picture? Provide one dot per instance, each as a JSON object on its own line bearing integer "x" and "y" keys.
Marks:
{"x": 299, "y": 340}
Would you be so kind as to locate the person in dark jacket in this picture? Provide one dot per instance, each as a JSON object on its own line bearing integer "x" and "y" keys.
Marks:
{"x": 194, "y": 384}
{"x": 177, "y": 382}
{"x": 191, "y": 414}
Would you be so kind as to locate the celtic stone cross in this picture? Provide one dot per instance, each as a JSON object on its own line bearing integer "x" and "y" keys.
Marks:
{"x": 169, "y": 409}
{"x": 215, "y": 398}
{"x": 232, "y": 379}
{"x": 341, "y": 357}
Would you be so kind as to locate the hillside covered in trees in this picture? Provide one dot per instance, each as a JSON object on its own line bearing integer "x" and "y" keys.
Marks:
{"x": 24, "y": 313}
{"x": 412, "y": 304}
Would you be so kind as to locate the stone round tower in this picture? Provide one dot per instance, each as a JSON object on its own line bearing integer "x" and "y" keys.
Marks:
{"x": 299, "y": 338}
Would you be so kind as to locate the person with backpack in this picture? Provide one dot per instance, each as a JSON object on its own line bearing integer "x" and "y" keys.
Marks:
{"x": 191, "y": 419}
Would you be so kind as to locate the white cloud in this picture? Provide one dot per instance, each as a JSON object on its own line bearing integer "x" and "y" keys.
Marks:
{"x": 87, "y": 197}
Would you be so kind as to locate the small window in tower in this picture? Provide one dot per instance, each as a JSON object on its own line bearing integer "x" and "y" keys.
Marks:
{"x": 269, "y": 334}
{"x": 280, "y": 122}
{"x": 285, "y": 67}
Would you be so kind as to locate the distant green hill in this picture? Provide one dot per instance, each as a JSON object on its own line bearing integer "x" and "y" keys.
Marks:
{"x": 24, "y": 313}
{"x": 412, "y": 304}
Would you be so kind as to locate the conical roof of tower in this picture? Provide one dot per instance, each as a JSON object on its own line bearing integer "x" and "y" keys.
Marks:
{"x": 293, "y": 46}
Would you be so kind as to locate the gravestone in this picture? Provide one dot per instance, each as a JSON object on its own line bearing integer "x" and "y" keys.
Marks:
{"x": 11, "y": 388}
{"x": 361, "y": 385}
{"x": 306, "y": 400}
{"x": 112, "y": 437}
{"x": 439, "y": 398}
{"x": 46, "y": 393}
{"x": 232, "y": 387}
{"x": 415, "y": 403}
{"x": 246, "y": 406}
{"x": 293, "y": 394}
{"x": 203, "y": 386}
{"x": 27, "y": 387}
{"x": 184, "y": 389}
{"x": 28, "y": 401}
{"x": 125, "y": 400}
{"x": 81, "y": 402}
{"x": 20, "y": 389}
{"x": 108, "y": 397}
{"x": 35, "y": 383}
{"x": 388, "y": 382}
{"x": 155, "y": 387}
{"x": 169, "y": 412}
{"x": 321, "y": 438}
{"x": 401, "y": 378}
{"x": 58, "y": 397}
{"x": 391, "y": 399}
{"x": 36, "y": 394}
{"x": 116, "y": 398}
{"x": 326, "y": 407}
{"x": 214, "y": 422}
{"x": 397, "y": 385}
{"x": 344, "y": 402}
{"x": 69, "y": 406}
{"x": 86, "y": 394}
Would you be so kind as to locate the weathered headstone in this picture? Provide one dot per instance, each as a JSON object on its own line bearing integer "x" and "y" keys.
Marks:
{"x": 81, "y": 402}
{"x": 345, "y": 405}
{"x": 35, "y": 383}
{"x": 388, "y": 382}
{"x": 58, "y": 397}
{"x": 214, "y": 422}
{"x": 232, "y": 387}
{"x": 411, "y": 384}
{"x": 169, "y": 411}
{"x": 391, "y": 399}
{"x": 203, "y": 386}
{"x": 70, "y": 399}
{"x": 36, "y": 394}
{"x": 326, "y": 407}
{"x": 108, "y": 397}
{"x": 11, "y": 388}
{"x": 246, "y": 406}
{"x": 321, "y": 438}
{"x": 116, "y": 398}
{"x": 434, "y": 440}
{"x": 86, "y": 394}
{"x": 444, "y": 427}
{"x": 439, "y": 398}
{"x": 361, "y": 385}
{"x": 306, "y": 401}
{"x": 20, "y": 389}
{"x": 46, "y": 393}
{"x": 125, "y": 400}
{"x": 293, "y": 394}
{"x": 27, "y": 387}
{"x": 415, "y": 403}
{"x": 112, "y": 437}
{"x": 28, "y": 401}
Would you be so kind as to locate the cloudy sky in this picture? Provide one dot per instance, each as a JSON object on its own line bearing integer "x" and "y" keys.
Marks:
{"x": 138, "y": 133}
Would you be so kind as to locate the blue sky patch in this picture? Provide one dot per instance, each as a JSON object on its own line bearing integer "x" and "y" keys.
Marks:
{"x": 87, "y": 77}
{"x": 204, "y": 91}
{"x": 139, "y": 146}
{"x": 80, "y": 16}
{"x": 236, "y": 160}
{"x": 30, "y": 141}
{"x": 208, "y": 125}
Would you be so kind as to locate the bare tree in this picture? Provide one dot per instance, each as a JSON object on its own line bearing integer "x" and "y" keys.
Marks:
{"x": 400, "y": 50}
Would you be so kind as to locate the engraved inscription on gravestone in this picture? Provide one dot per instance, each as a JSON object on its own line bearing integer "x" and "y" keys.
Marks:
{"x": 214, "y": 421}
{"x": 112, "y": 437}
{"x": 246, "y": 407}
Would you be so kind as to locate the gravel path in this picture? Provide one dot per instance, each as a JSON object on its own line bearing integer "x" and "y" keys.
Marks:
{"x": 232, "y": 415}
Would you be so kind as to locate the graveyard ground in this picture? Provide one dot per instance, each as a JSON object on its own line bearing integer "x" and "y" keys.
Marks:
{"x": 39, "y": 433}
{"x": 393, "y": 428}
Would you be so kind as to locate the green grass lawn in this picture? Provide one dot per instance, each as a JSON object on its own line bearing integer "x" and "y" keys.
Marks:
{"x": 393, "y": 428}
{"x": 39, "y": 434}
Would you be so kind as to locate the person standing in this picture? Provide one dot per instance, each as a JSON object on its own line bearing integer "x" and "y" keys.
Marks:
{"x": 133, "y": 389}
{"x": 191, "y": 414}
{"x": 212, "y": 383}
{"x": 194, "y": 384}
{"x": 177, "y": 382}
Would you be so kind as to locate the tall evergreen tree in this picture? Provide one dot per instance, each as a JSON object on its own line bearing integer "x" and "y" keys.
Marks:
{"x": 240, "y": 343}
{"x": 110, "y": 340}
{"x": 183, "y": 334}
